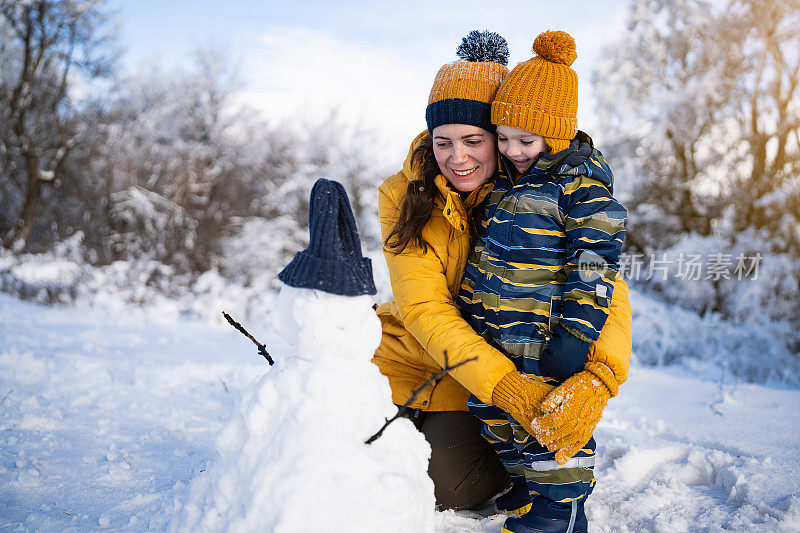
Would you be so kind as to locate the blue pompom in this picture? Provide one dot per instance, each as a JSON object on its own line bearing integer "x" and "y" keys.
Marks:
{"x": 483, "y": 46}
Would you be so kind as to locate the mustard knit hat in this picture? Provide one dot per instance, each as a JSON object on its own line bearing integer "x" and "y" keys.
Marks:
{"x": 541, "y": 94}
{"x": 462, "y": 92}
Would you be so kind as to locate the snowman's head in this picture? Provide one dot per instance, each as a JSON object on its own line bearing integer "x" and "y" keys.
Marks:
{"x": 319, "y": 324}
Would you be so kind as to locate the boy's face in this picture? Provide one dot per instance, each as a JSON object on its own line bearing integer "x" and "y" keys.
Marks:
{"x": 466, "y": 155}
{"x": 520, "y": 146}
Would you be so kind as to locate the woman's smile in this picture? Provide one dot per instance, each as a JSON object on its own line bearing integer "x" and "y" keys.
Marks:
{"x": 465, "y": 173}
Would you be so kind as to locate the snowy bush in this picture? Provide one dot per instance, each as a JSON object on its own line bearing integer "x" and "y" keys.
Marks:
{"x": 137, "y": 286}
{"x": 260, "y": 248}
{"x": 665, "y": 334}
{"x": 44, "y": 278}
{"x": 148, "y": 226}
{"x": 711, "y": 274}
{"x": 708, "y": 300}
{"x": 243, "y": 283}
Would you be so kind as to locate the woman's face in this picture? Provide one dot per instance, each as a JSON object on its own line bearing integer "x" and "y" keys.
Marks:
{"x": 466, "y": 155}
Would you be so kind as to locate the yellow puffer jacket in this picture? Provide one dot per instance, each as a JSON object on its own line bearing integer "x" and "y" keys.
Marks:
{"x": 424, "y": 321}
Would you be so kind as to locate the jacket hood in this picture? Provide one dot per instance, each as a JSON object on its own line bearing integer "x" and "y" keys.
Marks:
{"x": 580, "y": 159}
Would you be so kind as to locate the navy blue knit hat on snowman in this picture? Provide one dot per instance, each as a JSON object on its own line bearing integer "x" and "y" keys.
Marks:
{"x": 332, "y": 262}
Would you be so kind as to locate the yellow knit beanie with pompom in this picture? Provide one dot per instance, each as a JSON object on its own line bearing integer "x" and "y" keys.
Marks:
{"x": 462, "y": 92}
{"x": 541, "y": 95}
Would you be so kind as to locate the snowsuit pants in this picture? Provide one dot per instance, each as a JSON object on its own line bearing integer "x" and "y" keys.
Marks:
{"x": 560, "y": 489}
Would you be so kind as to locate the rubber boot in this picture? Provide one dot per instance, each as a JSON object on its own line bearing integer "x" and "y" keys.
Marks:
{"x": 516, "y": 501}
{"x": 547, "y": 519}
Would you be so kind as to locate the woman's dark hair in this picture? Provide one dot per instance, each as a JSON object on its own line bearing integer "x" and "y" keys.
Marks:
{"x": 417, "y": 205}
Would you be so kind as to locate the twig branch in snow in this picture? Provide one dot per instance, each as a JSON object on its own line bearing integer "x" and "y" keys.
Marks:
{"x": 403, "y": 408}
{"x": 6, "y": 397}
{"x": 261, "y": 348}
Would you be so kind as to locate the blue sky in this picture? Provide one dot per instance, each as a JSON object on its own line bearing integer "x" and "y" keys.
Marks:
{"x": 372, "y": 61}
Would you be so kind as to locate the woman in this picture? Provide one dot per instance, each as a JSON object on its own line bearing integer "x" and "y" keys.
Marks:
{"x": 429, "y": 215}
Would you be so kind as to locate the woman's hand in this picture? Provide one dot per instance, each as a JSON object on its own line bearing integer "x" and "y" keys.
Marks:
{"x": 571, "y": 412}
{"x": 520, "y": 396}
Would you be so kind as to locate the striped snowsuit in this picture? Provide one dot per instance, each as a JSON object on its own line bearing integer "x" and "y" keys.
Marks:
{"x": 548, "y": 252}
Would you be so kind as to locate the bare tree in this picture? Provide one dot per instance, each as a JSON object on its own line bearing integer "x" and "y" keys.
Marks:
{"x": 47, "y": 46}
{"x": 768, "y": 100}
{"x": 701, "y": 108}
{"x": 660, "y": 92}
{"x": 701, "y": 102}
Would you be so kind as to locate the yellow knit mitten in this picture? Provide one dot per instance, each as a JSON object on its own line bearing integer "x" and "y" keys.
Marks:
{"x": 572, "y": 411}
{"x": 520, "y": 396}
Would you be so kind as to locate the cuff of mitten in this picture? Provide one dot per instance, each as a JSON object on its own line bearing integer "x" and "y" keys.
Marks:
{"x": 508, "y": 391}
{"x": 605, "y": 375}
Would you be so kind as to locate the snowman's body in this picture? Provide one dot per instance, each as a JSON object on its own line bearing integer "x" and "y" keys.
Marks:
{"x": 294, "y": 459}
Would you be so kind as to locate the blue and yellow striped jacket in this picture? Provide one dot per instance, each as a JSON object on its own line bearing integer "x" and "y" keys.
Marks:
{"x": 548, "y": 250}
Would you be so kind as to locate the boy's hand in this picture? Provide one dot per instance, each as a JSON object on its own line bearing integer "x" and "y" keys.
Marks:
{"x": 573, "y": 409}
{"x": 564, "y": 355}
{"x": 520, "y": 396}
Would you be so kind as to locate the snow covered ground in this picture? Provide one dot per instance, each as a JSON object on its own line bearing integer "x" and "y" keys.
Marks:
{"x": 105, "y": 420}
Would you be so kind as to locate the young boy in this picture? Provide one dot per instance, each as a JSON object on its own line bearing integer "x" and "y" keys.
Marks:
{"x": 540, "y": 281}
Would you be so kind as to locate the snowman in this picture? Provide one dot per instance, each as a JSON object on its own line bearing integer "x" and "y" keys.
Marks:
{"x": 293, "y": 458}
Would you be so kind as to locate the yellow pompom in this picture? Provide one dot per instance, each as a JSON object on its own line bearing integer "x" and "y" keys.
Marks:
{"x": 555, "y": 46}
